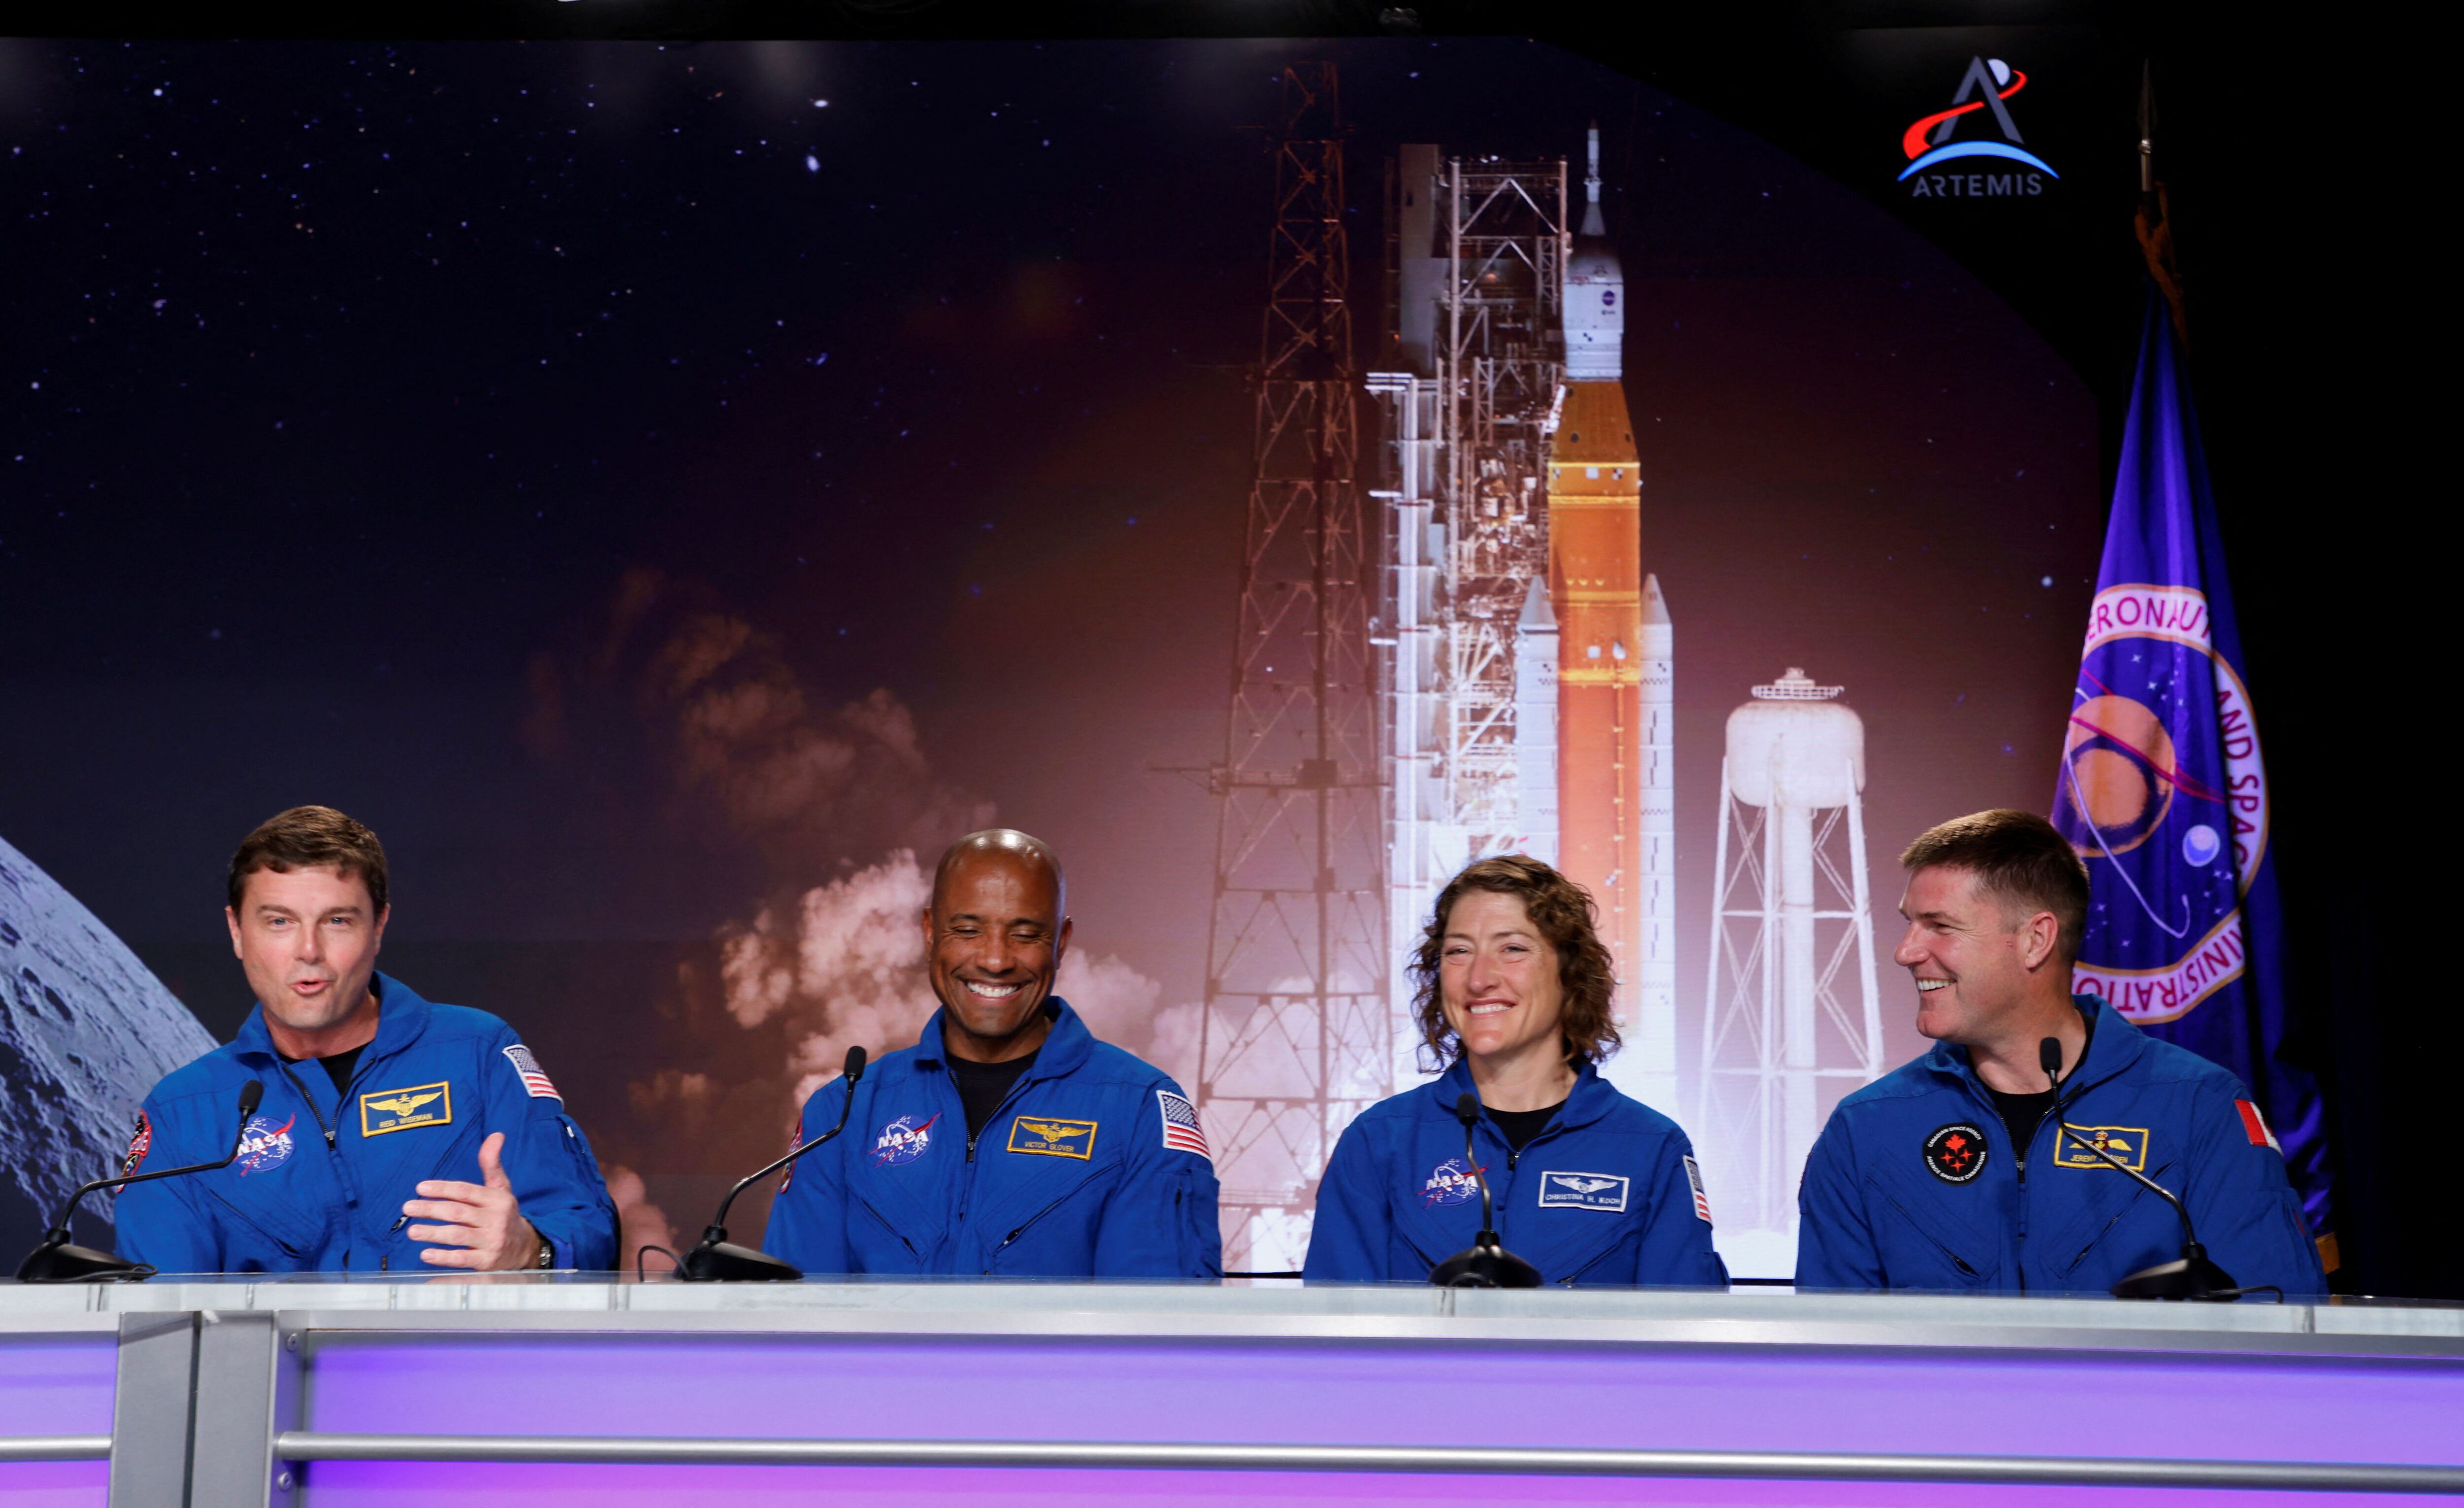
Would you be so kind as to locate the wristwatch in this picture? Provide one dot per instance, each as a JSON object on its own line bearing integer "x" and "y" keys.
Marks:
{"x": 547, "y": 1253}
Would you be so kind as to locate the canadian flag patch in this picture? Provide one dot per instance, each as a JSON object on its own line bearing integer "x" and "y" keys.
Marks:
{"x": 2255, "y": 1127}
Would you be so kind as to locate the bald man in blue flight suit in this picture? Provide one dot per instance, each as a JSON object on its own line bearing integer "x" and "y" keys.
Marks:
{"x": 1953, "y": 1173}
{"x": 379, "y": 1107}
{"x": 1006, "y": 1143}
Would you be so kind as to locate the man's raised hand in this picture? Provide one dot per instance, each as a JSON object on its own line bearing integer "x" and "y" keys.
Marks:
{"x": 482, "y": 1227}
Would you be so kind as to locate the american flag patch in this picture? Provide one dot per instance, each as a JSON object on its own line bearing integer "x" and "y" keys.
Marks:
{"x": 2255, "y": 1127}
{"x": 1694, "y": 1176}
{"x": 533, "y": 1079}
{"x": 795, "y": 1139}
{"x": 1181, "y": 1132}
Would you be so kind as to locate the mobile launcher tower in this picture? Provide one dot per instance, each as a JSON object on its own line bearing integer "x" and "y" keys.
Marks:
{"x": 1525, "y": 660}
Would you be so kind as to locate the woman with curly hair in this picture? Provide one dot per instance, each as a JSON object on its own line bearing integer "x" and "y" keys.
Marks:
{"x": 1515, "y": 994}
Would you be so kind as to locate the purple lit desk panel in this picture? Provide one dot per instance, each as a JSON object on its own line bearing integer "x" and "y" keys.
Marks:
{"x": 559, "y": 1391}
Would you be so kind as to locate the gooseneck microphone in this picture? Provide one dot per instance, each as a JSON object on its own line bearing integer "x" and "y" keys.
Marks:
{"x": 1487, "y": 1263}
{"x": 2191, "y": 1276}
{"x": 717, "y": 1260}
{"x": 56, "y": 1261}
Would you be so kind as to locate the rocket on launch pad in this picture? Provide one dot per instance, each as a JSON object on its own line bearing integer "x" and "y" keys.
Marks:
{"x": 1528, "y": 661}
{"x": 1614, "y": 676}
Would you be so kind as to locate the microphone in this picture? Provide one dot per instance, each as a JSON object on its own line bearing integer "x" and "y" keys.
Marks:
{"x": 56, "y": 1261}
{"x": 2193, "y": 1275}
{"x": 716, "y": 1258}
{"x": 1487, "y": 1263}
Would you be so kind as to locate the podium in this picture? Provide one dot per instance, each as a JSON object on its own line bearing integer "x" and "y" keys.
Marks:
{"x": 553, "y": 1390}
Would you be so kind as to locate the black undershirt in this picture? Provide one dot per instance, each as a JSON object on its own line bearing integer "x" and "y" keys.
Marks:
{"x": 338, "y": 1067}
{"x": 984, "y": 1086}
{"x": 2023, "y": 1113}
{"x": 1521, "y": 1127}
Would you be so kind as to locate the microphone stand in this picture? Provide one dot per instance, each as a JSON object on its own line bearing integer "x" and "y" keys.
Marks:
{"x": 2190, "y": 1277}
{"x": 716, "y": 1258}
{"x": 1486, "y": 1263}
{"x": 58, "y": 1261}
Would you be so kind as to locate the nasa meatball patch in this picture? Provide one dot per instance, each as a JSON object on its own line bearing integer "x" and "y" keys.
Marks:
{"x": 1955, "y": 1154}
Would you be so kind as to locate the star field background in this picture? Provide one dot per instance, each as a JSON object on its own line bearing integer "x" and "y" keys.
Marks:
{"x": 647, "y": 483}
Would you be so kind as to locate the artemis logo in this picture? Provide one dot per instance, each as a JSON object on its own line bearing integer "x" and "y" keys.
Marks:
{"x": 1929, "y": 143}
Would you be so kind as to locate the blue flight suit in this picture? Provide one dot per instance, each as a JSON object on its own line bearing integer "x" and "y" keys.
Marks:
{"x": 319, "y": 1185}
{"x": 1088, "y": 1169}
{"x": 1913, "y": 1184}
{"x": 1614, "y": 1197}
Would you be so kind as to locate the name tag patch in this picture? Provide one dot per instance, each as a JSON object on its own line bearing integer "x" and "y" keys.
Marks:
{"x": 1051, "y": 1138}
{"x": 1602, "y": 1192}
{"x": 403, "y": 1109}
{"x": 2126, "y": 1143}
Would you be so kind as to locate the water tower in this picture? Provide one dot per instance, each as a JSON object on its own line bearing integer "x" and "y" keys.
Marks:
{"x": 1791, "y": 911}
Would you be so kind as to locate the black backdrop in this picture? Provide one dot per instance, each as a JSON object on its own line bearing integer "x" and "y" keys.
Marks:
{"x": 2299, "y": 229}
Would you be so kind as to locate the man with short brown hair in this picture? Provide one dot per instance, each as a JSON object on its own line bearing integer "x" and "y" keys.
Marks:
{"x": 1955, "y": 1172}
{"x": 379, "y": 1107}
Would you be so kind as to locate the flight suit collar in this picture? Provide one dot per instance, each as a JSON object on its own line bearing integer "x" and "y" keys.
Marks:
{"x": 401, "y": 1019}
{"x": 1065, "y": 1048}
{"x": 2113, "y": 1046}
{"x": 1591, "y": 1097}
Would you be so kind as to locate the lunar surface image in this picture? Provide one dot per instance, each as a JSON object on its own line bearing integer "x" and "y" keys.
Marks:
{"x": 85, "y": 1030}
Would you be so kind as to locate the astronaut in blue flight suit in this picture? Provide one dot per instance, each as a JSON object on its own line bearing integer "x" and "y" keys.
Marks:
{"x": 1516, "y": 987}
{"x": 379, "y": 1107}
{"x": 1953, "y": 1174}
{"x": 1007, "y": 1142}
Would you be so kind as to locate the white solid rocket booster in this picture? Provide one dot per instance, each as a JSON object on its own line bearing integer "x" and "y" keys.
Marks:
{"x": 1535, "y": 723}
{"x": 1656, "y": 984}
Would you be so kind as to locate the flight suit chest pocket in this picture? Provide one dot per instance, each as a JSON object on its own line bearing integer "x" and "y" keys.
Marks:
{"x": 1579, "y": 1222}
{"x": 268, "y": 1216}
{"x": 1924, "y": 1240}
{"x": 2104, "y": 1211}
{"x": 409, "y": 1131}
{"x": 1047, "y": 1202}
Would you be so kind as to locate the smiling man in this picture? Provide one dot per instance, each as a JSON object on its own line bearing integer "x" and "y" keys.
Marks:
{"x": 1953, "y": 1174}
{"x": 1007, "y": 1142}
{"x": 379, "y": 1110}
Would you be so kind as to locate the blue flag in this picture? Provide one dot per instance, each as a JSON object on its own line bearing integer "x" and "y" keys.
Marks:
{"x": 2162, "y": 787}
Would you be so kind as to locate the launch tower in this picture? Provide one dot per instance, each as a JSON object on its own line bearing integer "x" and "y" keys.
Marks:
{"x": 1475, "y": 284}
{"x": 1295, "y": 1039}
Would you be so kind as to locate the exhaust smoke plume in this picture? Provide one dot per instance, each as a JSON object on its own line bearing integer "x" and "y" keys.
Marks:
{"x": 843, "y": 816}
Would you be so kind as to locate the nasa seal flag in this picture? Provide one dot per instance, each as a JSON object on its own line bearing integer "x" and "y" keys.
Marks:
{"x": 1956, "y": 1153}
{"x": 2162, "y": 787}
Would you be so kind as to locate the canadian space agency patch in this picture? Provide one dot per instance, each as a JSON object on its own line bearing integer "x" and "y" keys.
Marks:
{"x": 1955, "y": 1154}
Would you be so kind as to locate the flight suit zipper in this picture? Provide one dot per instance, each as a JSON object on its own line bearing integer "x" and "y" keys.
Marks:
{"x": 319, "y": 1116}
{"x": 967, "y": 1197}
{"x": 1015, "y": 1091}
{"x": 332, "y": 1134}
